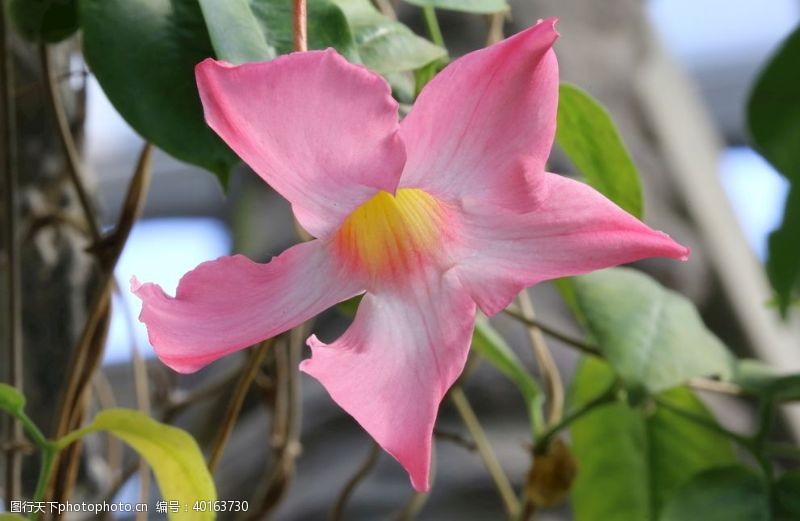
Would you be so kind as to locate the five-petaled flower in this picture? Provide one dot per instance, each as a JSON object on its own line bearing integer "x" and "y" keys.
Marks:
{"x": 447, "y": 211}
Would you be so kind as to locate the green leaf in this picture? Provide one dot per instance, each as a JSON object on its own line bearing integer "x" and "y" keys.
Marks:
{"x": 11, "y": 399}
{"x": 652, "y": 337}
{"x": 631, "y": 460}
{"x": 143, "y": 53}
{"x": 467, "y": 6}
{"x": 386, "y": 45}
{"x": 730, "y": 493}
{"x": 758, "y": 378}
{"x": 172, "y": 453}
{"x": 786, "y": 495}
{"x": 47, "y": 21}
{"x": 327, "y": 26}
{"x": 773, "y": 117}
{"x": 588, "y": 136}
{"x": 783, "y": 261}
{"x": 773, "y": 110}
{"x": 10, "y": 517}
{"x": 489, "y": 344}
{"x": 235, "y": 32}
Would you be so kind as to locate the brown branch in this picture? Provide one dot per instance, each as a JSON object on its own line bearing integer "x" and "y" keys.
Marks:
{"x": 485, "y": 450}
{"x": 285, "y": 438}
{"x": 87, "y": 355}
{"x": 544, "y": 358}
{"x": 74, "y": 166}
{"x": 363, "y": 470}
{"x": 300, "y": 25}
{"x": 237, "y": 400}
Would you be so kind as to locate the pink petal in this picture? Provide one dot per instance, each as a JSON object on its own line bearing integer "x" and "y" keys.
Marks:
{"x": 573, "y": 230}
{"x": 321, "y": 131}
{"x": 232, "y": 303}
{"x": 484, "y": 126}
{"x": 391, "y": 369}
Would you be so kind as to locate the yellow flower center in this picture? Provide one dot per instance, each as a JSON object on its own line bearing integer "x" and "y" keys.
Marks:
{"x": 391, "y": 235}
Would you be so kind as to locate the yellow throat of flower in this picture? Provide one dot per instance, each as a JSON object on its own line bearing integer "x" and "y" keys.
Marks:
{"x": 391, "y": 235}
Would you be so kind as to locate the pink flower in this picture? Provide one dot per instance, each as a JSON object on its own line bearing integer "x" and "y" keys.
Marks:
{"x": 449, "y": 210}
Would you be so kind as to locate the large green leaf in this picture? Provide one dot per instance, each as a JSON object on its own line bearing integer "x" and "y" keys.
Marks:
{"x": 467, "y": 6}
{"x": 786, "y": 503}
{"x": 490, "y": 345}
{"x": 143, "y": 53}
{"x": 386, "y": 45}
{"x": 44, "y": 20}
{"x": 11, "y": 399}
{"x": 327, "y": 26}
{"x": 255, "y": 30}
{"x": 235, "y": 31}
{"x": 773, "y": 110}
{"x": 172, "y": 453}
{"x": 632, "y": 460}
{"x": 729, "y": 493}
{"x": 773, "y": 117}
{"x": 653, "y": 337}
{"x": 588, "y": 136}
{"x": 783, "y": 262}
{"x": 758, "y": 378}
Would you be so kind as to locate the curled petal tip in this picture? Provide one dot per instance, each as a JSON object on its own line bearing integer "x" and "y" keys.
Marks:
{"x": 135, "y": 284}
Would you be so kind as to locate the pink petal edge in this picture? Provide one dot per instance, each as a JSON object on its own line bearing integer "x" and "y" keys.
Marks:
{"x": 232, "y": 303}
{"x": 392, "y": 367}
{"x": 483, "y": 127}
{"x": 573, "y": 230}
{"x": 321, "y": 131}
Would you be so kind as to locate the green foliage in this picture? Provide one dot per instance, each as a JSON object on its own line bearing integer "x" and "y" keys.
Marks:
{"x": 489, "y": 344}
{"x": 590, "y": 139}
{"x": 652, "y": 337}
{"x": 467, "y": 6}
{"x": 172, "y": 453}
{"x": 773, "y": 117}
{"x": 11, "y": 399}
{"x": 786, "y": 494}
{"x": 773, "y": 110}
{"x": 143, "y": 53}
{"x": 327, "y": 26}
{"x": 758, "y": 378}
{"x": 729, "y": 493}
{"x": 783, "y": 263}
{"x": 631, "y": 460}
{"x": 385, "y": 45}
{"x": 235, "y": 31}
{"x": 47, "y": 21}
{"x": 10, "y": 517}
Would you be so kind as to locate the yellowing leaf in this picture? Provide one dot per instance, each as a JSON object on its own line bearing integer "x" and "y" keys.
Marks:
{"x": 172, "y": 453}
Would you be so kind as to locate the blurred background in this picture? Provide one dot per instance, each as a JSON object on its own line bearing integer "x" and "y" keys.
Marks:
{"x": 674, "y": 74}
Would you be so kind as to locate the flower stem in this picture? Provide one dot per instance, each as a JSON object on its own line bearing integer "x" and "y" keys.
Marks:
{"x": 549, "y": 331}
{"x": 49, "y": 452}
{"x": 300, "y": 25}
{"x": 607, "y": 396}
{"x": 504, "y": 487}
{"x": 432, "y": 23}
